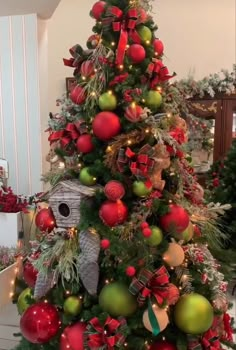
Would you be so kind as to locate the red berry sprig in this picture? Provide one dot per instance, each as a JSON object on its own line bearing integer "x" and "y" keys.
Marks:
{"x": 146, "y": 231}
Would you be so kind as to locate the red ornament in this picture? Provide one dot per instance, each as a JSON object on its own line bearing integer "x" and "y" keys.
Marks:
{"x": 163, "y": 345}
{"x": 136, "y": 53}
{"x": 113, "y": 213}
{"x": 173, "y": 294}
{"x": 73, "y": 337}
{"x": 144, "y": 225}
{"x": 114, "y": 190}
{"x": 40, "y": 323}
{"x": 130, "y": 271}
{"x": 29, "y": 274}
{"x": 158, "y": 47}
{"x": 105, "y": 244}
{"x": 98, "y": 9}
{"x": 84, "y": 144}
{"x": 176, "y": 220}
{"x": 87, "y": 69}
{"x": 147, "y": 232}
{"x": 106, "y": 125}
{"x": 143, "y": 16}
{"x": 216, "y": 182}
{"x": 45, "y": 220}
{"x": 134, "y": 113}
{"x": 77, "y": 95}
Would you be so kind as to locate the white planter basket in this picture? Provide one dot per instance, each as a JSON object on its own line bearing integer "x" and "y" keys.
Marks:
{"x": 11, "y": 224}
{"x": 7, "y": 279}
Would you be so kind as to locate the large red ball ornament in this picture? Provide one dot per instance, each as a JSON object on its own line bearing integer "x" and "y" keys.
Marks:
{"x": 176, "y": 220}
{"x": 163, "y": 345}
{"x": 40, "y": 323}
{"x": 84, "y": 144}
{"x": 113, "y": 213}
{"x": 45, "y": 220}
{"x": 106, "y": 125}
{"x": 158, "y": 47}
{"x": 73, "y": 337}
{"x": 136, "y": 53}
{"x": 98, "y": 9}
{"x": 87, "y": 69}
{"x": 134, "y": 113}
{"x": 114, "y": 190}
{"x": 78, "y": 95}
{"x": 30, "y": 274}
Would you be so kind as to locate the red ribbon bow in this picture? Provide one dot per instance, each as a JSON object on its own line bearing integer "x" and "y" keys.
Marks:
{"x": 209, "y": 341}
{"x": 71, "y": 133}
{"x": 158, "y": 73}
{"x": 78, "y": 56}
{"x": 131, "y": 93}
{"x": 151, "y": 284}
{"x": 126, "y": 26}
{"x": 108, "y": 335}
{"x": 119, "y": 79}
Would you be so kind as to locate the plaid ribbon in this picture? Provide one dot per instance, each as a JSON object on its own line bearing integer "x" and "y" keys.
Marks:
{"x": 105, "y": 336}
{"x": 141, "y": 164}
{"x": 78, "y": 56}
{"x": 209, "y": 341}
{"x": 71, "y": 133}
{"x": 158, "y": 73}
{"x": 151, "y": 284}
{"x": 130, "y": 93}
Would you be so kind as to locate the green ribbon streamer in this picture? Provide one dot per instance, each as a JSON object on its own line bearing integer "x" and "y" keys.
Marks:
{"x": 152, "y": 318}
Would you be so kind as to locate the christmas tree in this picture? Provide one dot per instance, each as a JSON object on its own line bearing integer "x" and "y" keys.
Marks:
{"x": 123, "y": 257}
{"x": 221, "y": 188}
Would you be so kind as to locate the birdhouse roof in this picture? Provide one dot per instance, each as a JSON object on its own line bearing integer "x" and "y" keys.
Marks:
{"x": 73, "y": 186}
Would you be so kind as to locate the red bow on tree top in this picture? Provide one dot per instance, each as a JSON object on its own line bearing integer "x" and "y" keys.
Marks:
{"x": 125, "y": 24}
{"x": 106, "y": 336}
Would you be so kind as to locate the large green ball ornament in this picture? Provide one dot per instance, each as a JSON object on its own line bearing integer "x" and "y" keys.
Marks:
{"x": 155, "y": 238}
{"x": 72, "y": 305}
{"x": 145, "y": 34}
{"x": 24, "y": 299}
{"x": 86, "y": 178}
{"x": 186, "y": 235}
{"x": 193, "y": 314}
{"x": 116, "y": 299}
{"x": 107, "y": 101}
{"x": 153, "y": 100}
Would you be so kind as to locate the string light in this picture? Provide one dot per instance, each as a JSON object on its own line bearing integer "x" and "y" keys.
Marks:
{"x": 109, "y": 149}
{"x": 83, "y": 78}
{"x": 147, "y": 131}
{"x": 129, "y": 142}
{"x": 110, "y": 92}
{"x": 121, "y": 67}
{"x": 148, "y": 42}
{"x": 93, "y": 93}
{"x": 61, "y": 165}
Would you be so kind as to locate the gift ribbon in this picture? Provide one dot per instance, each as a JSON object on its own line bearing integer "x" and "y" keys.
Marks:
{"x": 71, "y": 133}
{"x": 151, "y": 284}
{"x": 209, "y": 341}
{"x": 153, "y": 320}
{"x": 109, "y": 334}
{"x": 125, "y": 25}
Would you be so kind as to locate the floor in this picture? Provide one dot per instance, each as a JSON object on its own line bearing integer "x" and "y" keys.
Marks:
{"x": 9, "y": 321}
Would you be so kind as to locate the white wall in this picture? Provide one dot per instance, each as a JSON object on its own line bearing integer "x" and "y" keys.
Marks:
{"x": 19, "y": 102}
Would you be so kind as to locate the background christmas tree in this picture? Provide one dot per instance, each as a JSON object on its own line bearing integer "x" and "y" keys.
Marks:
{"x": 123, "y": 256}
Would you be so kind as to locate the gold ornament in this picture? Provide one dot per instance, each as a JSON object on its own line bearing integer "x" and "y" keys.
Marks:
{"x": 161, "y": 317}
{"x": 174, "y": 256}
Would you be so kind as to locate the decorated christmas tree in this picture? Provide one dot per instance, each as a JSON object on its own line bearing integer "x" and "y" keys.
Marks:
{"x": 123, "y": 253}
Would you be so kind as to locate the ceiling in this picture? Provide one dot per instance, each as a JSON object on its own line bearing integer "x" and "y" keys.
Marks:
{"x": 44, "y": 8}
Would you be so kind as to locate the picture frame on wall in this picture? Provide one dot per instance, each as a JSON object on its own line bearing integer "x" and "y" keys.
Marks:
{"x": 70, "y": 84}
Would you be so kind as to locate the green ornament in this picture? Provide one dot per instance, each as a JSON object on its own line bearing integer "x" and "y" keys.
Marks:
{"x": 24, "y": 299}
{"x": 116, "y": 299}
{"x": 193, "y": 314}
{"x": 72, "y": 305}
{"x": 107, "y": 101}
{"x": 140, "y": 189}
{"x": 153, "y": 100}
{"x": 145, "y": 34}
{"x": 86, "y": 178}
{"x": 186, "y": 235}
{"x": 155, "y": 238}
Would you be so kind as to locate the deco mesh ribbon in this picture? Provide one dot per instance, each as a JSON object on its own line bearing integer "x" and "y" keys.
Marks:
{"x": 151, "y": 284}
{"x": 107, "y": 336}
{"x": 141, "y": 164}
{"x": 124, "y": 24}
{"x": 70, "y": 134}
{"x": 209, "y": 341}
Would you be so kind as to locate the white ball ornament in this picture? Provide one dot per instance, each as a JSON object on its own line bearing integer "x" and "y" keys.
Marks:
{"x": 174, "y": 256}
{"x": 161, "y": 318}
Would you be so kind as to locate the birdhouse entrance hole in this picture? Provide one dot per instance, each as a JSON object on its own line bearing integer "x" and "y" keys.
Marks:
{"x": 64, "y": 210}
